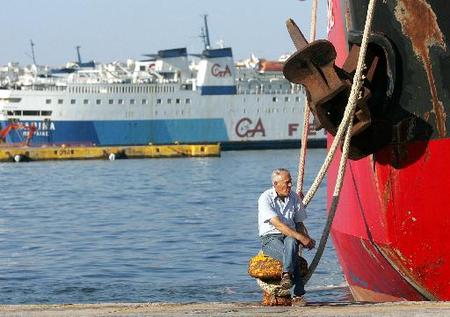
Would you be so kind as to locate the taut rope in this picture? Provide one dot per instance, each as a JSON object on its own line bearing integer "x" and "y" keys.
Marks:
{"x": 307, "y": 112}
{"x": 346, "y": 125}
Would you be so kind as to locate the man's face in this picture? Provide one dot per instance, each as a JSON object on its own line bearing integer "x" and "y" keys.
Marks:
{"x": 283, "y": 184}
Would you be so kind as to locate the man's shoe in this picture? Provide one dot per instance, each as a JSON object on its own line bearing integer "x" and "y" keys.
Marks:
{"x": 286, "y": 281}
{"x": 298, "y": 301}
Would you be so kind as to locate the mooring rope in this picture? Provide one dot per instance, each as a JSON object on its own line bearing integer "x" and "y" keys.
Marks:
{"x": 306, "y": 111}
{"x": 346, "y": 125}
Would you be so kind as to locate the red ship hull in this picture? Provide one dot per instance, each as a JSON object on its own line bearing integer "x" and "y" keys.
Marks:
{"x": 391, "y": 229}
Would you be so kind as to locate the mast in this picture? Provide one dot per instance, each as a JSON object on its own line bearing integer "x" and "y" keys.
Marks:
{"x": 32, "y": 52}
{"x": 78, "y": 54}
{"x": 205, "y": 32}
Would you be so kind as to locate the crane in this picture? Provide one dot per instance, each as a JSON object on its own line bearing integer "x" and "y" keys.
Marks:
{"x": 18, "y": 126}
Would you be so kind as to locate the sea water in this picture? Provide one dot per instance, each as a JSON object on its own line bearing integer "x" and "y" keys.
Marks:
{"x": 151, "y": 230}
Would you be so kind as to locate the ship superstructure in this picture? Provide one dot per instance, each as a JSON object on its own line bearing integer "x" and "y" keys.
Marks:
{"x": 170, "y": 97}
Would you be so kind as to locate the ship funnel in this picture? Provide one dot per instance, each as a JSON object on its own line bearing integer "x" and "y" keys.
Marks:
{"x": 216, "y": 72}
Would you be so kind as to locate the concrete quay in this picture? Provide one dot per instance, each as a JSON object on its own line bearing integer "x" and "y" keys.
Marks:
{"x": 397, "y": 309}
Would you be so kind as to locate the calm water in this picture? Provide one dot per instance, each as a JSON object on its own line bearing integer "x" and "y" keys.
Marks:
{"x": 161, "y": 230}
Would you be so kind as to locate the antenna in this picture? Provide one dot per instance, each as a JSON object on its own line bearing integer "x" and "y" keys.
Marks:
{"x": 32, "y": 52}
{"x": 78, "y": 54}
{"x": 205, "y": 32}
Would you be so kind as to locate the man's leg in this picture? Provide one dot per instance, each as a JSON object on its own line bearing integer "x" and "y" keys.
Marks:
{"x": 290, "y": 254}
{"x": 290, "y": 264}
{"x": 273, "y": 246}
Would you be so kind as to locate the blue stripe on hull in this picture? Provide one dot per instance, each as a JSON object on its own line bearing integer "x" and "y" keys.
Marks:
{"x": 218, "y": 90}
{"x": 128, "y": 132}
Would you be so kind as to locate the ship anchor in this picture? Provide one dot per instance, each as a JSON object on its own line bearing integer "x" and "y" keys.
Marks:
{"x": 328, "y": 88}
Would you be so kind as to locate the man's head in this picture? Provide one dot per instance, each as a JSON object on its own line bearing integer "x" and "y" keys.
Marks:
{"x": 282, "y": 182}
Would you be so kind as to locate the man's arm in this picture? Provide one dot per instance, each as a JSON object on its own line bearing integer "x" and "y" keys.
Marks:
{"x": 300, "y": 227}
{"x": 304, "y": 239}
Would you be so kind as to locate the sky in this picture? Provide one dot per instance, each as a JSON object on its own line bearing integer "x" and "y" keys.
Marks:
{"x": 115, "y": 30}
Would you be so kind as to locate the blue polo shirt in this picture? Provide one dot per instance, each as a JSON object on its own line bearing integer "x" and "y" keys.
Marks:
{"x": 270, "y": 205}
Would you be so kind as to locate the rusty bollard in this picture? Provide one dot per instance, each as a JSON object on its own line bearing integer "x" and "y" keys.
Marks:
{"x": 267, "y": 272}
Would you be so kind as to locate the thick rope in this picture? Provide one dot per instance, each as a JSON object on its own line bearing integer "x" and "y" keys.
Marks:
{"x": 307, "y": 112}
{"x": 272, "y": 287}
{"x": 347, "y": 125}
{"x": 347, "y": 114}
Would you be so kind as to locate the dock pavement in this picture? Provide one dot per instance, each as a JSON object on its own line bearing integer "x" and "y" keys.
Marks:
{"x": 397, "y": 309}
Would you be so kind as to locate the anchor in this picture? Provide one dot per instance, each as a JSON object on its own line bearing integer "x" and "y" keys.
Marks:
{"x": 328, "y": 86}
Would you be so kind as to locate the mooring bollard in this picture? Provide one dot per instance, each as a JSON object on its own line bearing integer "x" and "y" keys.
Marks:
{"x": 267, "y": 272}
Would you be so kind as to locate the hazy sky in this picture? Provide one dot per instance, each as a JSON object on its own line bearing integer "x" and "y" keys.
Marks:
{"x": 109, "y": 30}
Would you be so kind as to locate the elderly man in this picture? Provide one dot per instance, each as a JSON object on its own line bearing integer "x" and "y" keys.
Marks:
{"x": 280, "y": 221}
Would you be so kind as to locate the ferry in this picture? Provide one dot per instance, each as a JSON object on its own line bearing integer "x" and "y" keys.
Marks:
{"x": 168, "y": 97}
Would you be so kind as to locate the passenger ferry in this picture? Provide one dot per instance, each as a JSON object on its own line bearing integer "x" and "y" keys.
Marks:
{"x": 170, "y": 97}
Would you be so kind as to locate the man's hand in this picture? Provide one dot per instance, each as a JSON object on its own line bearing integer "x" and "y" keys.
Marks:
{"x": 308, "y": 243}
{"x": 301, "y": 237}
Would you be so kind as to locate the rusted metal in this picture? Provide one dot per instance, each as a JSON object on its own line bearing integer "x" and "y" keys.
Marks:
{"x": 296, "y": 35}
{"x": 313, "y": 67}
{"x": 408, "y": 12}
{"x": 328, "y": 87}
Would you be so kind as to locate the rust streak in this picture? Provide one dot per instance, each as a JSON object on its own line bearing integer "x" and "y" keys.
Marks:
{"x": 423, "y": 36}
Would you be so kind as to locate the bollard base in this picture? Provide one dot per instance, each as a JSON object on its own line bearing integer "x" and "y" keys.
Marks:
{"x": 273, "y": 300}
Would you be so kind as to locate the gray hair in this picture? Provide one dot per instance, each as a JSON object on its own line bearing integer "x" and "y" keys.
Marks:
{"x": 276, "y": 173}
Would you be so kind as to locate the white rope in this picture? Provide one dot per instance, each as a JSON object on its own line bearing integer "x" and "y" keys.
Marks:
{"x": 273, "y": 287}
{"x": 306, "y": 112}
{"x": 347, "y": 125}
{"x": 357, "y": 83}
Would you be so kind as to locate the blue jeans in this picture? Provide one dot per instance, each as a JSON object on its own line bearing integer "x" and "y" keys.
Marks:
{"x": 285, "y": 249}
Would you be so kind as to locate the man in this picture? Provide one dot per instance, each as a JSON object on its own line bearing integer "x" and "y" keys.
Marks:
{"x": 281, "y": 229}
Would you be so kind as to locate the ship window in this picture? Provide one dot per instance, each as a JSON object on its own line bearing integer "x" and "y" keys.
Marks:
{"x": 169, "y": 101}
{"x": 60, "y": 101}
{"x": 274, "y": 99}
{"x": 142, "y": 68}
{"x": 48, "y": 101}
{"x": 177, "y": 101}
{"x": 120, "y": 101}
{"x": 111, "y": 101}
{"x": 10, "y": 113}
{"x": 158, "y": 101}
{"x": 98, "y": 102}
{"x": 286, "y": 99}
{"x": 188, "y": 101}
{"x": 30, "y": 113}
{"x": 144, "y": 101}
{"x": 72, "y": 101}
{"x": 11, "y": 100}
{"x": 297, "y": 99}
{"x": 46, "y": 113}
{"x": 132, "y": 101}
{"x": 85, "y": 101}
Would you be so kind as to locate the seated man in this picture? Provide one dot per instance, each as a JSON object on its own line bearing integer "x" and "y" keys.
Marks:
{"x": 280, "y": 221}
